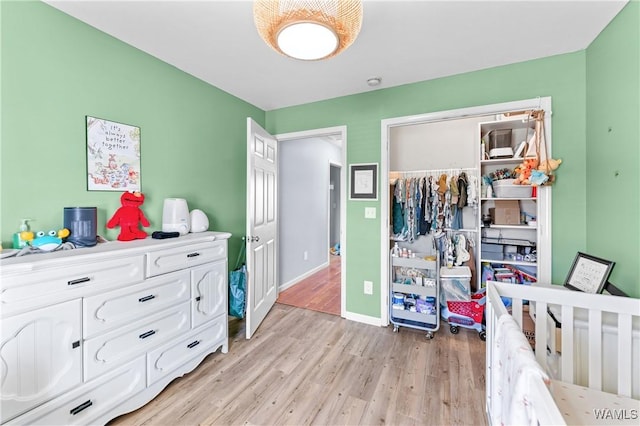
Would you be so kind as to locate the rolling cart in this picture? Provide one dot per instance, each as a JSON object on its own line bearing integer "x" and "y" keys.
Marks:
{"x": 415, "y": 292}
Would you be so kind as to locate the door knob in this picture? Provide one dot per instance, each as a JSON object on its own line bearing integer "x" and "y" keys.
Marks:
{"x": 253, "y": 239}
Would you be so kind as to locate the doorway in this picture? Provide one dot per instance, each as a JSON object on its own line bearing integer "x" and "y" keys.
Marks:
{"x": 311, "y": 215}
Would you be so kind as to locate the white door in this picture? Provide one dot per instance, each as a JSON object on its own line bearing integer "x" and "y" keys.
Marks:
{"x": 261, "y": 263}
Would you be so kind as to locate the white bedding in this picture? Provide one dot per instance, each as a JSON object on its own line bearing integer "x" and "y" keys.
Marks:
{"x": 583, "y": 406}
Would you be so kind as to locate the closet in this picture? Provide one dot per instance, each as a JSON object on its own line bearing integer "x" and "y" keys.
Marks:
{"x": 440, "y": 154}
{"x": 442, "y": 147}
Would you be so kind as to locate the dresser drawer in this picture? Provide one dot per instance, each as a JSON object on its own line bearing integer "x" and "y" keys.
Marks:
{"x": 112, "y": 349}
{"x": 86, "y": 403}
{"x": 43, "y": 286}
{"x": 165, "y": 359}
{"x": 174, "y": 259}
{"x": 126, "y": 305}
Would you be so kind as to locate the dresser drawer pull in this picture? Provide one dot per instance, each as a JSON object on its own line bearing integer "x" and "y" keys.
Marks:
{"x": 198, "y": 298}
{"x": 196, "y": 254}
{"x": 146, "y": 298}
{"x": 147, "y": 334}
{"x": 193, "y": 344}
{"x": 79, "y": 281}
{"x": 81, "y": 407}
{"x": 75, "y": 344}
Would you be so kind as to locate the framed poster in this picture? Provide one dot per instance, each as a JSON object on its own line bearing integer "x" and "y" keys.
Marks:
{"x": 588, "y": 273}
{"x": 113, "y": 156}
{"x": 364, "y": 181}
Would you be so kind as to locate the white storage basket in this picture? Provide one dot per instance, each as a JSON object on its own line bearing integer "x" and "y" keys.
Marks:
{"x": 504, "y": 188}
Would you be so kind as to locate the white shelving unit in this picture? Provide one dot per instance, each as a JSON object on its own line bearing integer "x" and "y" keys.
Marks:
{"x": 526, "y": 247}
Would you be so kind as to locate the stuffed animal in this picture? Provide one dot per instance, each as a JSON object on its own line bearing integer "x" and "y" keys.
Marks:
{"x": 549, "y": 165}
{"x": 129, "y": 216}
{"x": 524, "y": 171}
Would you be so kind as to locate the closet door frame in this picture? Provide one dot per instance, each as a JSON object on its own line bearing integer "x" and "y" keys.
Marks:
{"x": 544, "y": 193}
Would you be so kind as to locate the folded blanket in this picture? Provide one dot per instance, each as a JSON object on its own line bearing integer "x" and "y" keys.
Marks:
{"x": 514, "y": 367}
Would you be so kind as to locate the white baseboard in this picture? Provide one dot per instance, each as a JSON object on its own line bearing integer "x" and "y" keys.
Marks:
{"x": 307, "y": 274}
{"x": 363, "y": 319}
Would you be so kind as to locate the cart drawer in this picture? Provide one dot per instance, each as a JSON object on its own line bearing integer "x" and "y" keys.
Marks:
{"x": 414, "y": 262}
{"x": 414, "y": 316}
{"x": 415, "y": 289}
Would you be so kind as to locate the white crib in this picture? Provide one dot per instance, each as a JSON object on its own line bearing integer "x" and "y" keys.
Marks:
{"x": 592, "y": 376}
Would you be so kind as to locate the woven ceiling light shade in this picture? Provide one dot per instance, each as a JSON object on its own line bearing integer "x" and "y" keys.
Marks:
{"x": 308, "y": 29}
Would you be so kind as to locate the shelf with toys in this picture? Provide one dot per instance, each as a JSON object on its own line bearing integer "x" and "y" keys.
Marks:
{"x": 515, "y": 196}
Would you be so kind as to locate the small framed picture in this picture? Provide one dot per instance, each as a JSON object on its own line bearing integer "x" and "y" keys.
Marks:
{"x": 588, "y": 273}
{"x": 364, "y": 181}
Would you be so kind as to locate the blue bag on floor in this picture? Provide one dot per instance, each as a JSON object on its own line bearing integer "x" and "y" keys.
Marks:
{"x": 237, "y": 291}
{"x": 238, "y": 286}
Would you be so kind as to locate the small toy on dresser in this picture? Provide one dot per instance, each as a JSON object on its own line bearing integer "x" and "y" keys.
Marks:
{"x": 129, "y": 216}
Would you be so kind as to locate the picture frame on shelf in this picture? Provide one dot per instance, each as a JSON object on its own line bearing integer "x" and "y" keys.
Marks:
{"x": 588, "y": 273}
{"x": 364, "y": 181}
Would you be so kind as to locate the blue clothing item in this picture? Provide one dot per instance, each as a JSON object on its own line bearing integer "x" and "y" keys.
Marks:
{"x": 398, "y": 216}
{"x": 456, "y": 223}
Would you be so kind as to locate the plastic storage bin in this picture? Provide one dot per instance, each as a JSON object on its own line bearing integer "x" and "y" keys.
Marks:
{"x": 505, "y": 188}
{"x": 499, "y": 138}
{"x": 459, "y": 307}
{"x": 455, "y": 283}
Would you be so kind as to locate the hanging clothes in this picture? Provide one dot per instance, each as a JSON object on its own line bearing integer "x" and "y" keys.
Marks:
{"x": 397, "y": 214}
{"x": 424, "y": 204}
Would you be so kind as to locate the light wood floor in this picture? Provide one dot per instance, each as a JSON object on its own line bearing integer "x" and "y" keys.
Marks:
{"x": 319, "y": 292}
{"x": 305, "y": 367}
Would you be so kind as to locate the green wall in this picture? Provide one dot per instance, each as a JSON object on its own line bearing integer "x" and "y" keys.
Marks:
{"x": 55, "y": 70}
{"x": 613, "y": 147}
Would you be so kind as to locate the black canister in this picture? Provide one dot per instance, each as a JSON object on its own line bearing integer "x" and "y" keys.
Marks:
{"x": 82, "y": 223}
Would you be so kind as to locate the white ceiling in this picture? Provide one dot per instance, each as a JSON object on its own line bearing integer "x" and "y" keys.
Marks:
{"x": 400, "y": 41}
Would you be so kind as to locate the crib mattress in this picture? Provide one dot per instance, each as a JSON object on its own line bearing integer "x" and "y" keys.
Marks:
{"x": 583, "y": 406}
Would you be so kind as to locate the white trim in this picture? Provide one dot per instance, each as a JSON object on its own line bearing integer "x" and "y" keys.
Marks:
{"x": 365, "y": 319}
{"x": 342, "y": 131}
{"x": 339, "y": 166}
{"x": 297, "y": 280}
{"x": 544, "y": 194}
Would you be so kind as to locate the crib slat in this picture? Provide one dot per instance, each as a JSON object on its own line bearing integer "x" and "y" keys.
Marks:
{"x": 567, "y": 344}
{"x": 541, "y": 334}
{"x": 516, "y": 310}
{"x": 595, "y": 349}
{"x": 624, "y": 354}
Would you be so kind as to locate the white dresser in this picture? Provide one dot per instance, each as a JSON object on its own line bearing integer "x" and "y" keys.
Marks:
{"x": 93, "y": 333}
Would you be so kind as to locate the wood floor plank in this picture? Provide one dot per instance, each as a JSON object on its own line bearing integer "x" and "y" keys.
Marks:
{"x": 319, "y": 292}
{"x": 310, "y": 368}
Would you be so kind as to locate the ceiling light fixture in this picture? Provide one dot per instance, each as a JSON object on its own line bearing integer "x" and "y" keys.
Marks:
{"x": 308, "y": 29}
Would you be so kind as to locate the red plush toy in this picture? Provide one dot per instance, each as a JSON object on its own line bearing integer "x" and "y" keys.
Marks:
{"x": 128, "y": 216}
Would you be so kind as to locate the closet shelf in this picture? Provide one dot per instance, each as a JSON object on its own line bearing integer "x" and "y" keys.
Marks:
{"x": 493, "y": 226}
{"x": 511, "y": 198}
{"x": 509, "y": 262}
{"x": 498, "y": 161}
